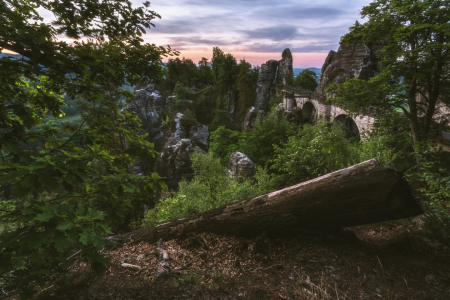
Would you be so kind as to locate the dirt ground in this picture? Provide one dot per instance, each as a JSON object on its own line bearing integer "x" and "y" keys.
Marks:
{"x": 384, "y": 261}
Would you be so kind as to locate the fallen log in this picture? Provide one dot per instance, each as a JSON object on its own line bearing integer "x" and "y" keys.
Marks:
{"x": 361, "y": 194}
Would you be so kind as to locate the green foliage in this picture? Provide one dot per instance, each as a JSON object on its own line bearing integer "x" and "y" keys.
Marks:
{"x": 184, "y": 71}
{"x": 390, "y": 143}
{"x": 437, "y": 221}
{"x": 83, "y": 168}
{"x": 181, "y": 92}
{"x": 290, "y": 80}
{"x": 246, "y": 86}
{"x": 221, "y": 118}
{"x": 228, "y": 73}
{"x": 315, "y": 151}
{"x": 381, "y": 91}
{"x": 269, "y": 131}
{"x": 216, "y": 62}
{"x": 416, "y": 32}
{"x": 306, "y": 80}
{"x": 211, "y": 187}
{"x": 431, "y": 180}
{"x": 205, "y": 73}
{"x": 223, "y": 142}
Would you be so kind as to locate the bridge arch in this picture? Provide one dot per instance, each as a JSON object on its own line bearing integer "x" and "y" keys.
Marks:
{"x": 309, "y": 112}
{"x": 350, "y": 126}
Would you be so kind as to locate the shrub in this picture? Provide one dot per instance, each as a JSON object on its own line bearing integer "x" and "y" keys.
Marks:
{"x": 211, "y": 187}
{"x": 315, "y": 151}
{"x": 223, "y": 142}
{"x": 390, "y": 143}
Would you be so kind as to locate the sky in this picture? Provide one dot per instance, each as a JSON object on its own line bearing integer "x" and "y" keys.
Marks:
{"x": 257, "y": 30}
{"x": 254, "y": 30}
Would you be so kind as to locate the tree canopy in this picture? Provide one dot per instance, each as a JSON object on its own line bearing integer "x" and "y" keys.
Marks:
{"x": 75, "y": 190}
{"x": 415, "y": 36}
{"x": 306, "y": 80}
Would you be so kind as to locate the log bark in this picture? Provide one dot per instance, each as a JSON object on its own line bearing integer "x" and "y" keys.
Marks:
{"x": 361, "y": 194}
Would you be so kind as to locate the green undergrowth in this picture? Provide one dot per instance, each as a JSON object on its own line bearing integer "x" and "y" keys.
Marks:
{"x": 210, "y": 188}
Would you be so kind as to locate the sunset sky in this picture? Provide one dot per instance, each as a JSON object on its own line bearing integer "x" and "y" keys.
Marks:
{"x": 257, "y": 30}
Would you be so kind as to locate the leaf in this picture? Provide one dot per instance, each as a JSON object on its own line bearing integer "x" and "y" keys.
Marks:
{"x": 44, "y": 217}
{"x": 61, "y": 243}
{"x": 84, "y": 238}
{"x": 65, "y": 226}
{"x": 99, "y": 241}
{"x": 49, "y": 181}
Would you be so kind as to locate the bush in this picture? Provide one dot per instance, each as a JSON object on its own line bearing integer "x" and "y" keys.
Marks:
{"x": 315, "y": 151}
{"x": 223, "y": 143}
{"x": 390, "y": 143}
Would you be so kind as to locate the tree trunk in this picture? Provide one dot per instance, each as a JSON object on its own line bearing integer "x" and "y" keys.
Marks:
{"x": 361, "y": 194}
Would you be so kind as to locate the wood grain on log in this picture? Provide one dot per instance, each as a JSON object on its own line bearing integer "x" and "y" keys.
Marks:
{"x": 361, "y": 194}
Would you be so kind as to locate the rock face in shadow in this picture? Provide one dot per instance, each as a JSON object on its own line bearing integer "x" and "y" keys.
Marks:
{"x": 350, "y": 61}
{"x": 285, "y": 69}
{"x": 266, "y": 78}
{"x": 173, "y": 162}
{"x": 240, "y": 165}
{"x": 148, "y": 105}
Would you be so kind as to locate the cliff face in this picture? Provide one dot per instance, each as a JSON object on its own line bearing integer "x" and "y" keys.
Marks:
{"x": 350, "y": 61}
{"x": 271, "y": 72}
{"x": 266, "y": 78}
{"x": 148, "y": 105}
{"x": 285, "y": 69}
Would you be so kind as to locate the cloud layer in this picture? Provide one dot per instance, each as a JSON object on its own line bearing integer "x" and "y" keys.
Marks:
{"x": 253, "y": 27}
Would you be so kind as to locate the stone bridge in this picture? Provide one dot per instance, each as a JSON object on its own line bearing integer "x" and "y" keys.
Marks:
{"x": 314, "y": 107}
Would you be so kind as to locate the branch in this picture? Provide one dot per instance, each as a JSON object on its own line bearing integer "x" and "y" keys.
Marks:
{"x": 79, "y": 129}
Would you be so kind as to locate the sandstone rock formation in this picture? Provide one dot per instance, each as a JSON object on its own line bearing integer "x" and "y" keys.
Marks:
{"x": 173, "y": 163}
{"x": 252, "y": 117}
{"x": 350, "y": 61}
{"x": 285, "y": 69}
{"x": 266, "y": 78}
{"x": 148, "y": 105}
{"x": 240, "y": 165}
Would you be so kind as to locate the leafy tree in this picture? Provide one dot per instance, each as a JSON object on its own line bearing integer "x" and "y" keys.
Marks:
{"x": 205, "y": 71}
{"x": 290, "y": 80}
{"x": 184, "y": 71}
{"x": 228, "y": 72}
{"x": 306, "y": 80}
{"x": 87, "y": 173}
{"x": 217, "y": 61}
{"x": 181, "y": 92}
{"x": 416, "y": 53}
{"x": 246, "y": 86}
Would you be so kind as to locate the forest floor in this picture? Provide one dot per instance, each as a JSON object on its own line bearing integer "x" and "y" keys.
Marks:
{"x": 396, "y": 260}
